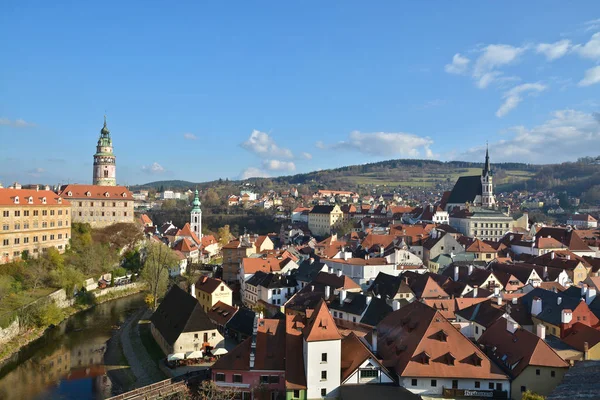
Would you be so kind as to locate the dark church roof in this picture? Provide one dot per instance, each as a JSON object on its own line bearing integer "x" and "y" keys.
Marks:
{"x": 465, "y": 190}
{"x": 180, "y": 312}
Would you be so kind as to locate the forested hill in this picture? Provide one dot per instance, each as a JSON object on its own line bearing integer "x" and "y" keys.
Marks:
{"x": 574, "y": 177}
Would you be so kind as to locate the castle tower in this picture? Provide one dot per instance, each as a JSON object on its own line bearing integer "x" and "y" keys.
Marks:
{"x": 488, "y": 199}
{"x": 196, "y": 216}
{"x": 105, "y": 169}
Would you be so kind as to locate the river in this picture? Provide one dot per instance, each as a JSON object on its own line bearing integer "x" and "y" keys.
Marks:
{"x": 68, "y": 362}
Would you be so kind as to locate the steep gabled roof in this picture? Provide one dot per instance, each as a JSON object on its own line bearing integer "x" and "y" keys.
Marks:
{"x": 580, "y": 334}
{"x": 186, "y": 231}
{"x": 565, "y": 236}
{"x": 179, "y": 312}
{"x": 336, "y": 282}
{"x": 320, "y": 325}
{"x": 207, "y": 284}
{"x": 465, "y": 190}
{"x": 354, "y": 353}
{"x": 295, "y": 377}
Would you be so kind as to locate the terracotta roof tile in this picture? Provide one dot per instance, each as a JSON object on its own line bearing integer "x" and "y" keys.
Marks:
{"x": 208, "y": 285}
{"x": 320, "y": 325}
{"x": 96, "y": 192}
{"x": 8, "y": 196}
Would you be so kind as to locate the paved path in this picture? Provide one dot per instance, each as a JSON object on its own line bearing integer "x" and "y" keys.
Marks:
{"x": 141, "y": 365}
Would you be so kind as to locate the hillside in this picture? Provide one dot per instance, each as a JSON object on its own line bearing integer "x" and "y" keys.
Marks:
{"x": 576, "y": 178}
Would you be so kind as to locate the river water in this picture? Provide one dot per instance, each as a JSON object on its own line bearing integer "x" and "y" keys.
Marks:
{"x": 68, "y": 362}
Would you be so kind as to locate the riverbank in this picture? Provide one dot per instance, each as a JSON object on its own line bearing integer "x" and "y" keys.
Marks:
{"x": 10, "y": 348}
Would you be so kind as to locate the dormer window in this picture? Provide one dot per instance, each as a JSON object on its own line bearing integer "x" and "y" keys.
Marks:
{"x": 450, "y": 358}
{"x": 30, "y": 200}
{"x": 88, "y": 194}
{"x": 43, "y": 200}
{"x": 442, "y": 336}
{"x": 425, "y": 357}
{"x": 69, "y": 193}
{"x": 106, "y": 194}
{"x": 59, "y": 200}
{"x": 476, "y": 360}
{"x": 16, "y": 200}
{"x": 124, "y": 194}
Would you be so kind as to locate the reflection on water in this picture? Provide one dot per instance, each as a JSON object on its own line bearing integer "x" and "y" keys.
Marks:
{"x": 68, "y": 362}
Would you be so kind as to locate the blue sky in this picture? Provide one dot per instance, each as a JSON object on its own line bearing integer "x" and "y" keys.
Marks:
{"x": 206, "y": 90}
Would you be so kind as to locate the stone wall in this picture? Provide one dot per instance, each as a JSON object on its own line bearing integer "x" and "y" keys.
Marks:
{"x": 114, "y": 289}
{"x": 9, "y": 332}
{"x": 60, "y": 298}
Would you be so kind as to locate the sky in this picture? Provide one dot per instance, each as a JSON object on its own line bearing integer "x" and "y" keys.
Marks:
{"x": 205, "y": 90}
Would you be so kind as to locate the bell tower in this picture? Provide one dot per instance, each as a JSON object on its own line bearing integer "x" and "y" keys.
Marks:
{"x": 196, "y": 216}
{"x": 105, "y": 169}
{"x": 488, "y": 199}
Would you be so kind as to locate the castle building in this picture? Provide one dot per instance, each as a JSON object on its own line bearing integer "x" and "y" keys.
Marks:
{"x": 196, "y": 216}
{"x": 32, "y": 220}
{"x": 105, "y": 169}
{"x": 476, "y": 190}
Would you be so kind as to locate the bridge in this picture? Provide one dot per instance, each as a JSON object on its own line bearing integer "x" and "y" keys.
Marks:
{"x": 161, "y": 389}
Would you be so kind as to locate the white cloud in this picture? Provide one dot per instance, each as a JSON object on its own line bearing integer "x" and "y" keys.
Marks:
{"x": 253, "y": 173}
{"x": 263, "y": 145}
{"x": 592, "y": 76}
{"x": 592, "y": 25}
{"x": 189, "y": 136}
{"x": 384, "y": 144}
{"x": 17, "y": 123}
{"x": 459, "y": 65}
{"x": 513, "y": 97}
{"x": 553, "y": 51}
{"x": 494, "y": 56}
{"x": 155, "y": 168}
{"x": 306, "y": 156}
{"x": 568, "y": 135}
{"x": 36, "y": 172}
{"x": 278, "y": 165}
{"x": 591, "y": 49}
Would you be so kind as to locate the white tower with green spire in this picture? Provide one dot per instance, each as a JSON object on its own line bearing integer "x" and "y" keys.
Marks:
{"x": 105, "y": 169}
{"x": 196, "y": 216}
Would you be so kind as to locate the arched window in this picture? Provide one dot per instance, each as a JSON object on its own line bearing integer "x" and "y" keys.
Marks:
{"x": 195, "y": 219}
{"x": 106, "y": 173}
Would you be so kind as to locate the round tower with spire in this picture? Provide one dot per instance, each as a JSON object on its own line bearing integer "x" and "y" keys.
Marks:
{"x": 487, "y": 188}
{"x": 105, "y": 169}
{"x": 196, "y": 216}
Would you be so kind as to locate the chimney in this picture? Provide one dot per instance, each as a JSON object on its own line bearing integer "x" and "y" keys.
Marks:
{"x": 327, "y": 292}
{"x": 368, "y": 299}
{"x": 499, "y": 299}
{"x": 456, "y": 269}
{"x": 311, "y": 260}
{"x": 193, "y": 290}
{"x": 566, "y": 316}
{"x": 374, "y": 341}
{"x": 511, "y": 326}
{"x": 540, "y": 330}
{"x": 342, "y": 296}
{"x": 558, "y": 300}
{"x": 470, "y": 269}
{"x": 514, "y": 300}
{"x": 584, "y": 290}
{"x": 396, "y": 304}
{"x": 536, "y": 306}
{"x": 552, "y": 255}
{"x": 586, "y": 350}
{"x": 568, "y": 257}
{"x": 497, "y": 291}
{"x": 330, "y": 270}
{"x": 312, "y": 288}
{"x": 339, "y": 272}
{"x": 475, "y": 290}
{"x": 590, "y": 295}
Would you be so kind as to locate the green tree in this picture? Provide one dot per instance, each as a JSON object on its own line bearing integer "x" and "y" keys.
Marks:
{"x": 6, "y": 285}
{"x": 155, "y": 272}
{"x": 211, "y": 198}
{"x": 344, "y": 227}
{"x": 68, "y": 278}
{"x": 224, "y": 235}
{"x": 528, "y": 395}
{"x": 132, "y": 260}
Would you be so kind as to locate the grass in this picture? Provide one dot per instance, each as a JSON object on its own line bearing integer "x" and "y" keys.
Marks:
{"x": 153, "y": 349}
{"x": 17, "y": 300}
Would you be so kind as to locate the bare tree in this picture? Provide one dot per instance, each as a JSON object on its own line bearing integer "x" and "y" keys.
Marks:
{"x": 159, "y": 258}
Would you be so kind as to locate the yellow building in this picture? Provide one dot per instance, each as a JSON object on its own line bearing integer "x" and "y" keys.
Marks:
{"x": 236, "y": 250}
{"x": 209, "y": 291}
{"x": 322, "y": 219}
{"x": 99, "y": 205}
{"x": 32, "y": 220}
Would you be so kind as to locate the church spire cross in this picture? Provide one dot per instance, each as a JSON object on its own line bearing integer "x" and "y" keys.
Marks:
{"x": 487, "y": 169}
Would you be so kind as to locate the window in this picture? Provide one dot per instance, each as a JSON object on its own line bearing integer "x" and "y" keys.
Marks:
{"x": 477, "y": 384}
{"x": 35, "y": 239}
{"x": 44, "y": 213}
{"x": 296, "y": 394}
{"x": 264, "y": 379}
{"x": 553, "y": 373}
{"x": 51, "y": 212}
{"x": 5, "y": 213}
{"x": 237, "y": 378}
{"x": 51, "y": 237}
{"x": 195, "y": 336}
{"x": 455, "y": 384}
{"x": 323, "y": 392}
{"x": 26, "y": 240}
{"x": 523, "y": 389}
{"x": 324, "y": 357}
{"x": 323, "y": 375}
{"x": 413, "y": 382}
{"x": 17, "y": 240}
{"x": 5, "y": 242}
{"x": 274, "y": 379}
{"x": 537, "y": 372}
{"x": 220, "y": 377}
{"x": 17, "y": 213}
{"x": 434, "y": 383}
{"x": 368, "y": 373}
{"x": 476, "y": 330}
{"x": 26, "y": 213}
{"x": 44, "y": 238}
{"x": 499, "y": 386}
{"x": 334, "y": 313}
{"x": 491, "y": 386}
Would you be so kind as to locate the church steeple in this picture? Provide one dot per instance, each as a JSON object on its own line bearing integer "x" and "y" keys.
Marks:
{"x": 196, "y": 216}
{"x": 488, "y": 199}
{"x": 487, "y": 169}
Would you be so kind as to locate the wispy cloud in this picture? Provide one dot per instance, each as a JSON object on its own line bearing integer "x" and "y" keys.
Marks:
{"x": 554, "y": 51}
{"x": 253, "y": 172}
{"x": 384, "y": 144}
{"x": 591, "y": 77}
{"x": 153, "y": 169}
{"x": 189, "y": 136}
{"x": 306, "y": 156}
{"x": 592, "y": 25}
{"x": 36, "y": 172}
{"x": 459, "y": 65}
{"x": 17, "y": 123}
{"x": 591, "y": 49}
{"x": 514, "y": 96}
{"x": 278, "y": 165}
{"x": 493, "y": 57}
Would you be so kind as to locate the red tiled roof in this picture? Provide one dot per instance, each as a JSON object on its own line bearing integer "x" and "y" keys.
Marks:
{"x": 294, "y": 365}
{"x": 187, "y": 231}
{"x": 208, "y": 285}
{"x": 320, "y": 325}
{"x": 96, "y": 192}
{"x": 221, "y": 313}
{"x": 479, "y": 246}
{"x": 185, "y": 246}
{"x": 580, "y": 334}
{"x": 252, "y": 265}
{"x": 207, "y": 240}
{"x": 354, "y": 353}
{"x": 8, "y": 196}
{"x": 145, "y": 219}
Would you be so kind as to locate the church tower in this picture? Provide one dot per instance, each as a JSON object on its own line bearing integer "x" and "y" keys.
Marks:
{"x": 488, "y": 199}
{"x": 196, "y": 216}
{"x": 105, "y": 169}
